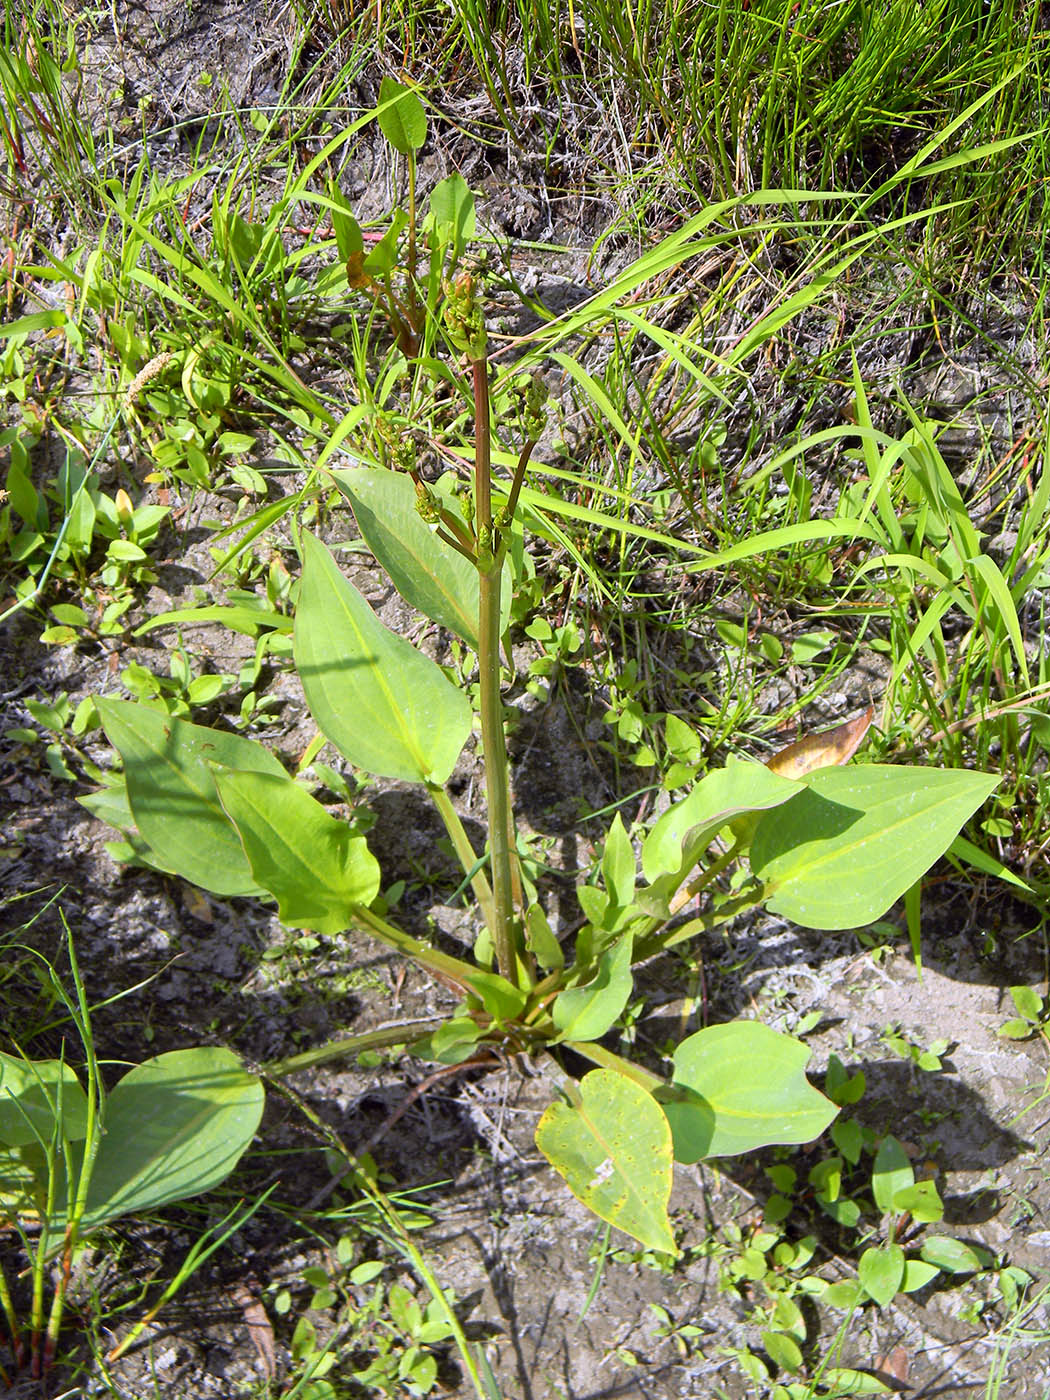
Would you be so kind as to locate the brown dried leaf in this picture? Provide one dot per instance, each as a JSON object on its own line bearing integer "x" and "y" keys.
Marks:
{"x": 894, "y": 1365}
{"x": 823, "y": 750}
{"x": 196, "y": 904}
{"x": 260, "y": 1329}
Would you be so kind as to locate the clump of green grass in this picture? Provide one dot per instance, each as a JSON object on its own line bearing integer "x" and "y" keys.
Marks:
{"x": 741, "y": 95}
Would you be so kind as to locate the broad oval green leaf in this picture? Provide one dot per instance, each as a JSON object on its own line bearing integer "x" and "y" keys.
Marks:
{"x": 172, "y": 795}
{"x": 174, "y": 1126}
{"x": 429, "y": 574}
{"x": 587, "y": 1012}
{"x": 782, "y": 1350}
{"x": 921, "y": 1201}
{"x": 840, "y": 853}
{"x": 739, "y": 1087}
{"x": 881, "y": 1272}
{"x": 891, "y": 1172}
{"x": 384, "y": 705}
{"x": 451, "y": 212}
{"x": 402, "y": 117}
{"x": 312, "y": 864}
{"x": 951, "y": 1255}
{"x": 613, "y": 1149}
{"x": 34, "y": 1094}
{"x": 727, "y": 792}
{"x": 844, "y": 1380}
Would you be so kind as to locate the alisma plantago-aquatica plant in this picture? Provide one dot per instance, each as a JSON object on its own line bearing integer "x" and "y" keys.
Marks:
{"x": 827, "y": 846}
{"x": 824, "y": 845}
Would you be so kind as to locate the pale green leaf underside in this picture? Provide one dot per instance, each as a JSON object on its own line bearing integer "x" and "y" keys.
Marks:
{"x": 738, "y": 787}
{"x": 311, "y": 863}
{"x": 33, "y": 1094}
{"x": 171, "y": 791}
{"x": 175, "y": 1126}
{"x": 429, "y": 574}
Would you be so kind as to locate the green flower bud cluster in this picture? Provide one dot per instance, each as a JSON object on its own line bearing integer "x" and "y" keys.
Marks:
{"x": 464, "y": 318}
{"x": 427, "y": 505}
{"x": 531, "y": 395}
{"x": 399, "y": 443}
{"x": 485, "y": 553}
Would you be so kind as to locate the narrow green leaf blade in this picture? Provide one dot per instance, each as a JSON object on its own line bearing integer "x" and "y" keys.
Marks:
{"x": 171, "y": 792}
{"x": 618, "y": 866}
{"x": 1004, "y": 610}
{"x": 385, "y": 706}
{"x": 614, "y": 1151}
{"x": 35, "y": 321}
{"x": 739, "y": 1087}
{"x": 249, "y": 621}
{"x": 839, "y": 854}
{"x": 313, "y": 865}
{"x": 428, "y": 573}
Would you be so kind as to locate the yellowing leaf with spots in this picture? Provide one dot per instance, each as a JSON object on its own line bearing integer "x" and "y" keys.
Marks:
{"x": 613, "y": 1147}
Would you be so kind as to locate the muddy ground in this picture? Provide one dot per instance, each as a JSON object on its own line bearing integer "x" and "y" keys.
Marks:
{"x": 519, "y": 1251}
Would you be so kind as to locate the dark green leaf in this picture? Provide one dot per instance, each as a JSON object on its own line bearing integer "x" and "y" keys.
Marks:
{"x": 402, "y": 118}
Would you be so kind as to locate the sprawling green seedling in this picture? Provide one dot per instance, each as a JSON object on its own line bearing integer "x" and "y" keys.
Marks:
{"x": 78, "y": 533}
